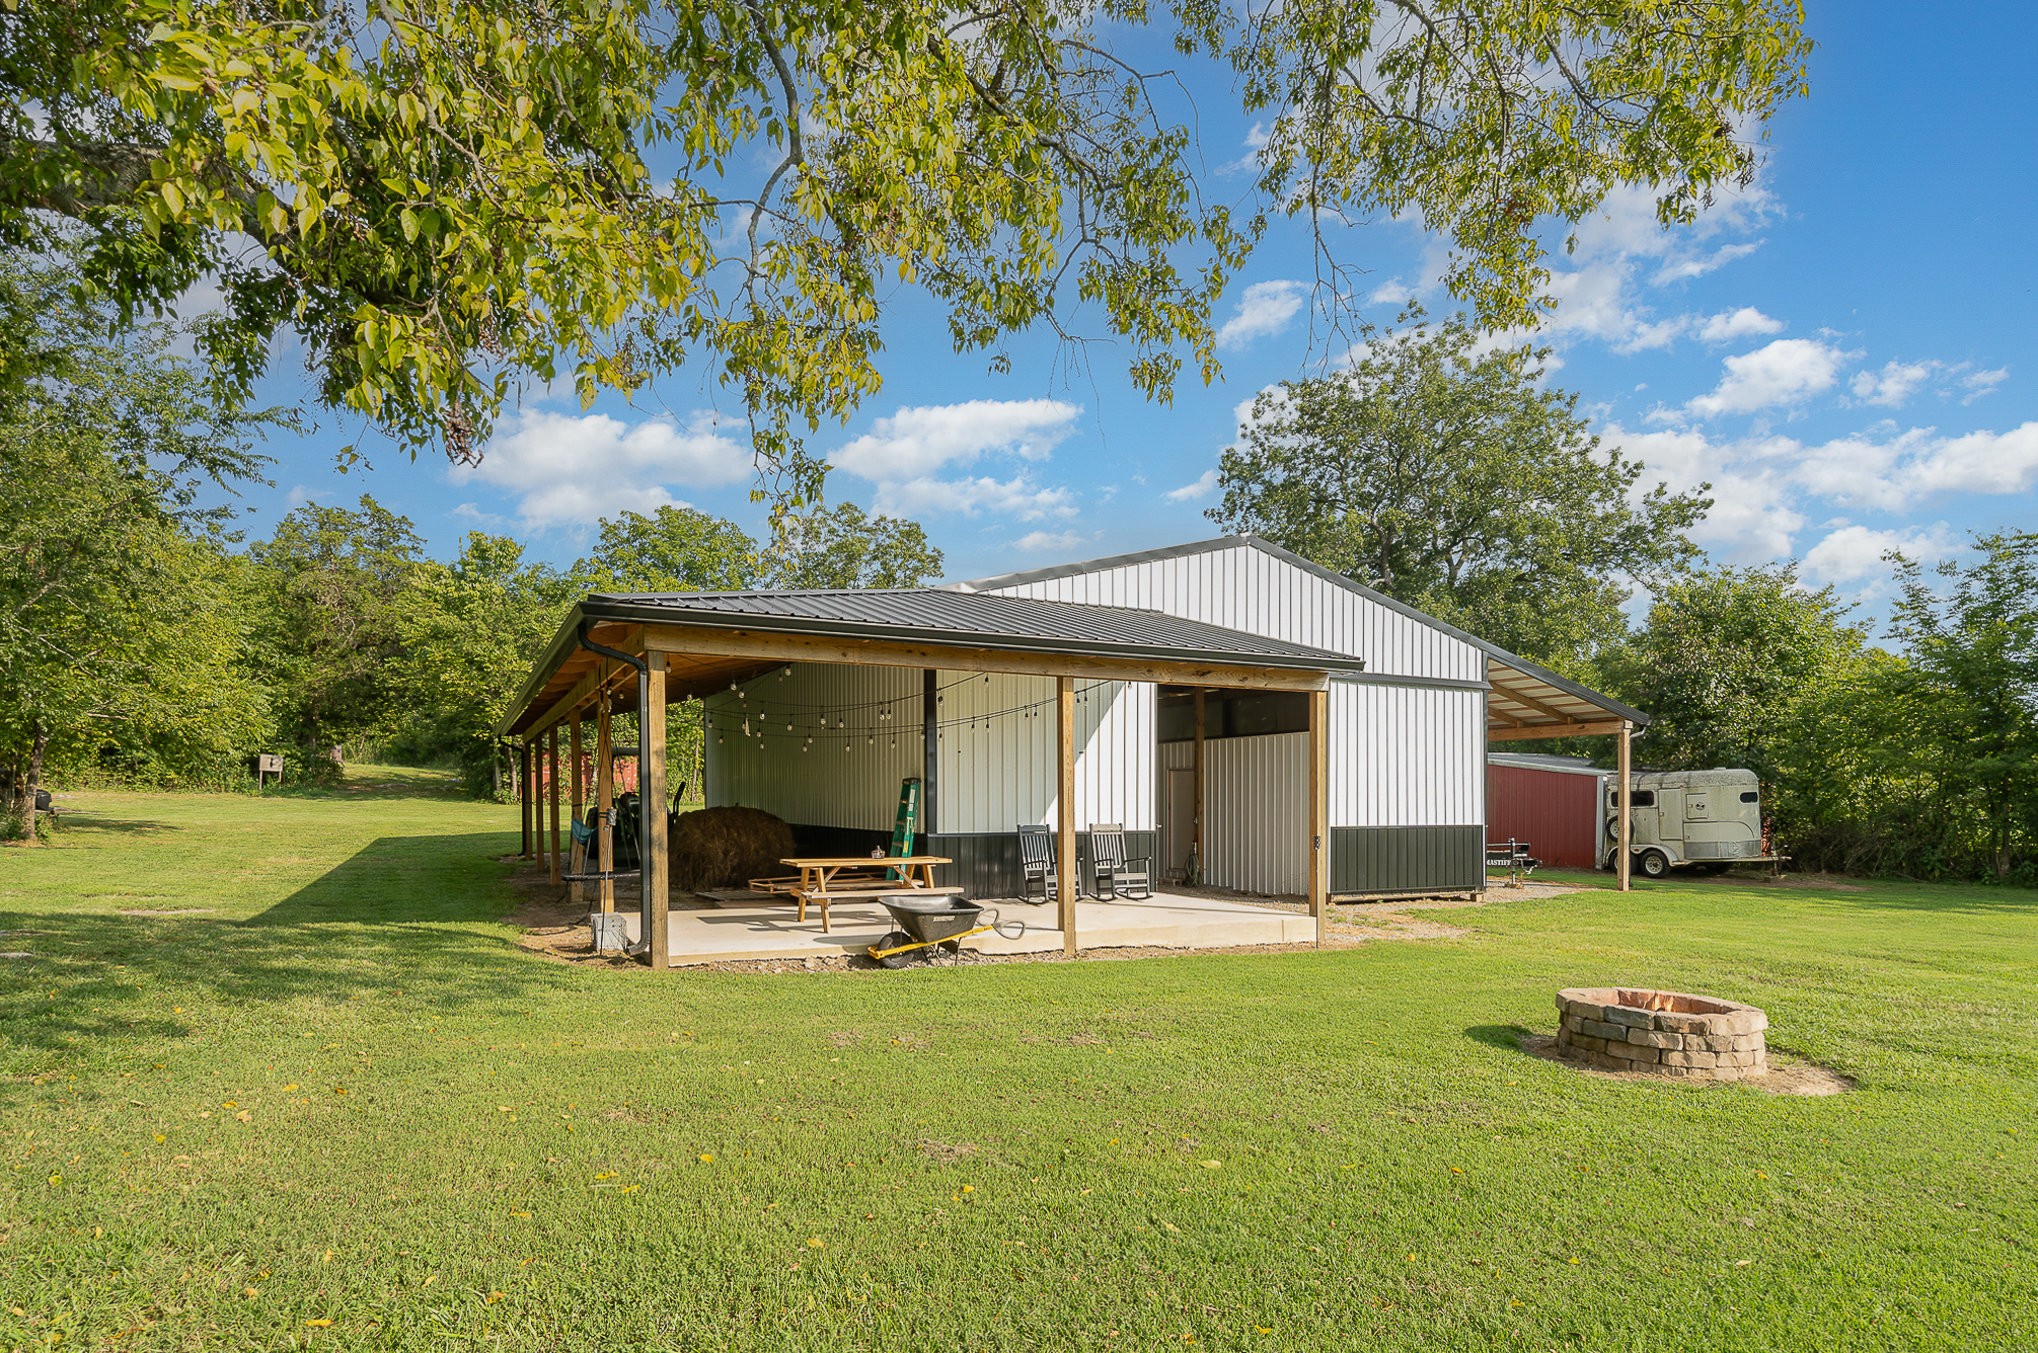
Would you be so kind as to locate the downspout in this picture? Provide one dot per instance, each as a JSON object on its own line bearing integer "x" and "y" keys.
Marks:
{"x": 643, "y": 759}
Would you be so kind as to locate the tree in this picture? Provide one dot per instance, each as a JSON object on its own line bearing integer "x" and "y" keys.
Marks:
{"x": 675, "y": 549}
{"x": 1455, "y": 480}
{"x": 439, "y": 198}
{"x": 1972, "y": 692}
{"x": 845, "y": 547}
{"x": 333, "y": 586}
{"x": 470, "y": 631}
{"x": 1725, "y": 657}
{"x": 117, "y": 622}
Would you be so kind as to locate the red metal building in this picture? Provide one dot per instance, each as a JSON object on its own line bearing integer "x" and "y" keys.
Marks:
{"x": 1551, "y": 802}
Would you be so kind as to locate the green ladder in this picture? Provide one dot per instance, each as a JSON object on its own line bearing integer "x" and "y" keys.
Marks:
{"x": 904, "y": 827}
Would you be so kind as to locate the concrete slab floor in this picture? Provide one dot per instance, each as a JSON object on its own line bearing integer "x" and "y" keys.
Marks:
{"x": 725, "y": 933}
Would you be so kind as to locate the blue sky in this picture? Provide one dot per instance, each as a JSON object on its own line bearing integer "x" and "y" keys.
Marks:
{"x": 1846, "y": 351}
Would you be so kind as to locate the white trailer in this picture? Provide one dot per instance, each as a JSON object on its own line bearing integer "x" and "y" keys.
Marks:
{"x": 1700, "y": 819}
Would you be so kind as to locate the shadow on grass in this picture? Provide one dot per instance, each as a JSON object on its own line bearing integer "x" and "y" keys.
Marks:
{"x": 83, "y": 820}
{"x": 1506, "y": 1036}
{"x": 405, "y": 913}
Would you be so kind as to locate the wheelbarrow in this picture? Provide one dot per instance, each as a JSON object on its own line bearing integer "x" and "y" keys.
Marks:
{"x": 926, "y": 925}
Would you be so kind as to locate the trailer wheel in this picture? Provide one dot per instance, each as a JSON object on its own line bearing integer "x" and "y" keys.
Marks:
{"x": 1654, "y": 864}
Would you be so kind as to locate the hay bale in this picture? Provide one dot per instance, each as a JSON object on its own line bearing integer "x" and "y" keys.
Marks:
{"x": 727, "y": 847}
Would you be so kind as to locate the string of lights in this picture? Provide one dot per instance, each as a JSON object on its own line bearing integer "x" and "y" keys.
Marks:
{"x": 763, "y": 724}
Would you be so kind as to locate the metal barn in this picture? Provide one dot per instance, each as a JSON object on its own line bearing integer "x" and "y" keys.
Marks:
{"x": 1250, "y": 720}
{"x": 1408, "y": 729}
{"x": 1551, "y": 802}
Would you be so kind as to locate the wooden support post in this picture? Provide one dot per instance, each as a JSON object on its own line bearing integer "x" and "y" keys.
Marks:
{"x": 1065, "y": 835}
{"x": 577, "y": 892}
{"x": 552, "y": 793}
{"x": 604, "y": 804}
{"x": 651, "y": 803}
{"x": 1319, "y": 807}
{"x": 1623, "y": 855}
{"x": 1196, "y": 833}
{"x": 524, "y": 795}
{"x": 538, "y": 801}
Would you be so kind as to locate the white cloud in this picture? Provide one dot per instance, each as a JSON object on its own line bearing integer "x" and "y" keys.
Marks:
{"x": 570, "y": 469}
{"x": 1019, "y": 497}
{"x": 1394, "y": 291}
{"x": 1781, "y": 372}
{"x": 1249, "y": 163}
{"x": 1895, "y": 383}
{"x": 1038, "y": 542}
{"x": 1979, "y": 462}
{"x": 904, "y": 454}
{"x": 1688, "y": 266}
{"x": 1852, "y": 552}
{"x": 1202, "y": 486}
{"x": 1265, "y": 309}
{"x": 1728, "y": 325}
{"x": 1752, "y": 517}
{"x": 919, "y": 440}
{"x": 1980, "y": 383}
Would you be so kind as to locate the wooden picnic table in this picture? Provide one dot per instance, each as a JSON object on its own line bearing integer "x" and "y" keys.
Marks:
{"x": 825, "y": 877}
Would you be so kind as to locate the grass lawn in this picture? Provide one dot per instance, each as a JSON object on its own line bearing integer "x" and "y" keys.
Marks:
{"x": 339, "y": 1107}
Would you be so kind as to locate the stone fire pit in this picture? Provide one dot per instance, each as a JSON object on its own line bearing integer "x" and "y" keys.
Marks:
{"x": 1661, "y": 1033}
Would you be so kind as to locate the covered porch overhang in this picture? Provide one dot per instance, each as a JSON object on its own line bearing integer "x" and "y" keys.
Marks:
{"x": 1525, "y": 701}
{"x": 623, "y": 654}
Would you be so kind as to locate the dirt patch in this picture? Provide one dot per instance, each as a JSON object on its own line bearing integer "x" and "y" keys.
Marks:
{"x": 844, "y": 1038}
{"x": 1820, "y": 882}
{"x": 944, "y": 1152}
{"x": 1786, "y": 1075}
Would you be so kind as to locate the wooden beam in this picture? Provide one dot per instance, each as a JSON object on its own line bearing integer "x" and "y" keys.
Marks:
{"x": 1530, "y": 702}
{"x": 1554, "y": 730}
{"x": 552, "y": 794}
{"x": 1065, "y": 834}
{"x": 578, "y": 697}
{"x": 651, "y": 803}
{"x": 604, "y": 806}
{"x": 524, "y": 795}
{"x": 1624, "y": 861}
{"x": 538, "y": 800}
{"x": 773, "y": 647}
{"x": 1512, "y": 721}
{"x": 1196, "y": 830}
{"x": 1319, "y": 806}
{"x": 577, "y": 893}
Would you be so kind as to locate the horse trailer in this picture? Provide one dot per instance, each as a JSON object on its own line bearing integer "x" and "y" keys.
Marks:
{"x": 1701, "y": 819}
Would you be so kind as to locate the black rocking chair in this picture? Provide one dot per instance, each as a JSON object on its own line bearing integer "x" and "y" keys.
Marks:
{"x": 1113, "y": 872}
{"x": 1036, "y": 862}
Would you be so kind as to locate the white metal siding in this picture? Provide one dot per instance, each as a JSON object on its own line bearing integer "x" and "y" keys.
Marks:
{"x": 849, "y": 777}
{"x": 1406, "y": 756}
{"x": 996, "y": 747}
{"x": 1247, "y": 589}
{"x": 998, "y": 759}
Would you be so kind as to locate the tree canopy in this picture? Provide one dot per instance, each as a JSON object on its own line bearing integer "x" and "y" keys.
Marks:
{"x": 118, "y": 617}
{"x": 443, "y": 200}
{"x": 1454, "y": 479}
{"x": 843, "y": 546}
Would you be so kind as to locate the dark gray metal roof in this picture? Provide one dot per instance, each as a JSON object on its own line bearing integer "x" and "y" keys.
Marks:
{"x": 1540, "y": 674}
{"x": 938, "y": 615}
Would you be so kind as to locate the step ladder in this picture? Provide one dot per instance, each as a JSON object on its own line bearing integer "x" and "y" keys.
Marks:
{"x": 905, "y": 826}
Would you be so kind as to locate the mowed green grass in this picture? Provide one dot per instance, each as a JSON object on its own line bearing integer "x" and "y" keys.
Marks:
{"x": 343, "y": 1094}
